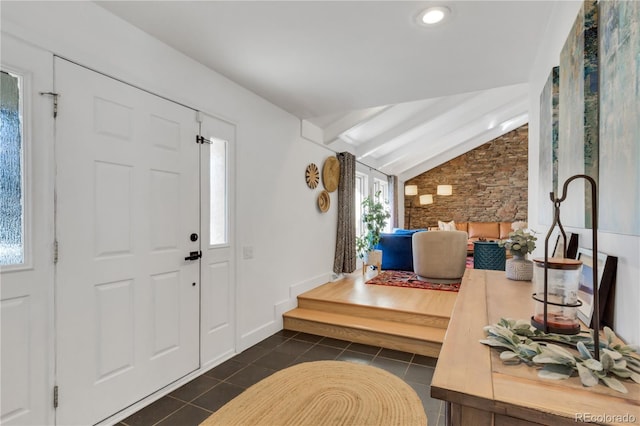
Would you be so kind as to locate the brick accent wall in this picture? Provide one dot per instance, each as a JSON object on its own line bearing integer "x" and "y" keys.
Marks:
{"x": 489, "y": 184}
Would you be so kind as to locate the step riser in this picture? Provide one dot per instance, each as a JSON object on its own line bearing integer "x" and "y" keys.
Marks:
{"x": 373, "y": 312}
{"x": 368, "y": 337}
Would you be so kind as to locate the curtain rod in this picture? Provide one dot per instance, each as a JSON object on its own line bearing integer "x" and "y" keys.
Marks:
{"x": 372, "y": 168}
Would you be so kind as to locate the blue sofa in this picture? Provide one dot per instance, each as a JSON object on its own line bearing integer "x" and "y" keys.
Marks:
{"x": 397, "y": 253}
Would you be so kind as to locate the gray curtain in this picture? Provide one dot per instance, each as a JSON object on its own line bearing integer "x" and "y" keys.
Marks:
{"x": 345, "y": 257}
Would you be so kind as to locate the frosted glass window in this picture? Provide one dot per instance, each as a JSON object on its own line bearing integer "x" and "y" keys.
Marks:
{"x": 361, "y": 193}
{"x": 218, "y": 181}
{"x": 11, "y": 172}
{"x": 381, "y": 192}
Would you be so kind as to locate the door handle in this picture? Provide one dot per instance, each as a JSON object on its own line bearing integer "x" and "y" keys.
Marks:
{"x": 194, "y": 255}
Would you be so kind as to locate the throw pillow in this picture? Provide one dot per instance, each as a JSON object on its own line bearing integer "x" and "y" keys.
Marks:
{"x": 403, "y": 231}
{"x": 447, "y": 226}
{"x": 521, "y": 224}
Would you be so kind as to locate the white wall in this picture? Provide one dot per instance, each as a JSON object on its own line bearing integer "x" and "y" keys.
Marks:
{"x": 626, "y": 247}
{"x": 293, "y": 242}
{"x": 276, "y": 213}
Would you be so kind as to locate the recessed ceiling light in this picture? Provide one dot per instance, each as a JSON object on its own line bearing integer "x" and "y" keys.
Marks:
{"x": 433, "y": 15}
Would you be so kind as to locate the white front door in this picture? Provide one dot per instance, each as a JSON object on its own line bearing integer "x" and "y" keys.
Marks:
{"x": 26, "y": 235}
{"x": 218, "y": 266}
{"x": 127, "y": 300}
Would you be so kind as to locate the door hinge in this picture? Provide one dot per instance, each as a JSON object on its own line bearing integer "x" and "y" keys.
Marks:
{"x": 55, "y": 251}
{"x": 55, "y": 396}
{"x": 55, "y": 101}
{"x": 202, "y": 139}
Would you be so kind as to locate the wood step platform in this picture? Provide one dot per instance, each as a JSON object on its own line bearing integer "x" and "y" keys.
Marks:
{"x": 405, "y": 319}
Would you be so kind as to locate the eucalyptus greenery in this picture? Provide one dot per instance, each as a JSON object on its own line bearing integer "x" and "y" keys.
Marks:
{"x": 523, "y": 343}
{"x": 520, "y": 242}
{"x": 374, "y": 218}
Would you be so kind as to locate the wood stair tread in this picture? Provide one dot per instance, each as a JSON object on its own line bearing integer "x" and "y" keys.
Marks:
{"x": 374, "y": 312}
{"x": 304, "y": 299}
{"x": 418, "y": 332}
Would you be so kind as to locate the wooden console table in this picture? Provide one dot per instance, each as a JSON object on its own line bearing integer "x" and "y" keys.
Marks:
{"x": 480, "y": 390}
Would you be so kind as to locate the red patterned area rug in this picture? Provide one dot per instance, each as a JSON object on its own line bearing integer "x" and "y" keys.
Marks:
{"x": 409, "y": 279}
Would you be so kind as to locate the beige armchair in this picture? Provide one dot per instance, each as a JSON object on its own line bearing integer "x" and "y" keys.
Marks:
{"x": 440, "y": 256}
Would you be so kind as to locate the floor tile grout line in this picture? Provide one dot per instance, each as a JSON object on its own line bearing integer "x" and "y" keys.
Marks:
{"x": 270, "y": 350}
{"x": 200, "y": 394}
{"x": 167, "y": 416}
{"x": 173, "y": 397}
{"x": 185, "y": 405}
{"x": 200, "y": 407}
{"x": 318, "y": 344}
{"x": 343, "y": 350}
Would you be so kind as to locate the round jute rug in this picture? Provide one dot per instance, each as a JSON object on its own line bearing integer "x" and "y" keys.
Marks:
{"x": 324, "y": 393}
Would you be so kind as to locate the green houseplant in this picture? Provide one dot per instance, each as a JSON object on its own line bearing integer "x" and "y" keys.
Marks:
{"x": 519, "y": 243}
{"x": 374, "y": 218}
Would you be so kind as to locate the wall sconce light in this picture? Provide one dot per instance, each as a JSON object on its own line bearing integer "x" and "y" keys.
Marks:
{"x": 444, "y": 190}
{"x": 410, "y": 191}
{"x": 426, "y": 199}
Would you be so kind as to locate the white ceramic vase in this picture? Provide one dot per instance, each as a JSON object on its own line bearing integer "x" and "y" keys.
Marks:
{"x": 519, "y": 269}
{"x": 374, "y": 257}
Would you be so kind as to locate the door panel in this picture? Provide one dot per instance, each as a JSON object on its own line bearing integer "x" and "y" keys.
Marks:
{"x": 218, "y": 246}
{"x": 26, "y": 288}
{"x": 127, "y": 305}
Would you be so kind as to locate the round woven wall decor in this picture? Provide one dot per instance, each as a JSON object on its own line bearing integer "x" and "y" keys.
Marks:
{"x": 331, "y": 174}
{"x": 324, "y": 201}
{"x": 312, "y": 176}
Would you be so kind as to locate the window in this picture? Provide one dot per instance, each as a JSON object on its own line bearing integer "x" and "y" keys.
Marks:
{"x": 362, "y": 186}
{"x": 218, "y": 184}
{"x": 381, "y": 190}
{"x": 11, "y": 171}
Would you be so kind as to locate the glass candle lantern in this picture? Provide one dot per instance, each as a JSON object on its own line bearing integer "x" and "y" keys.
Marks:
{"x": 561, "y": 305}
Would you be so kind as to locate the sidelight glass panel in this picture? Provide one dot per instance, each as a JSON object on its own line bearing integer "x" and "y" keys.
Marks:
{"x": 11, "y": 172}
{"x": 361, "y": 193}
{"x": 381, "y": 193}
{"x": 218, "y": 182}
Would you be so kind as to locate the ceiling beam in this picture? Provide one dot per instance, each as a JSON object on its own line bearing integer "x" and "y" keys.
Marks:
{"x": 437, "y": 108}
{"x": 348, "y": 121}
{"x": 487, "y": 106}
{"x": 479, "y": 114}
{"x": 461, "y": 149}
{"x": 481, "y": 130}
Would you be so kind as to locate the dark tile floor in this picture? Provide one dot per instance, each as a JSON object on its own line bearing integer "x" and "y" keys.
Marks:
{"x": 195, "y": 401}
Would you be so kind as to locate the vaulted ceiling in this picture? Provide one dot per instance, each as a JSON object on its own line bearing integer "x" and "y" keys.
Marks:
{"x": 363, "y": 74}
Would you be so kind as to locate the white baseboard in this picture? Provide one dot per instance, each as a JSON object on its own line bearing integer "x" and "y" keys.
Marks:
{"x": 265, "y": 330}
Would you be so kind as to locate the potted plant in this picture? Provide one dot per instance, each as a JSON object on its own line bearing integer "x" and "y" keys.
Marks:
{"x": 519, "y": 243}
{"x": 374, "y": 218}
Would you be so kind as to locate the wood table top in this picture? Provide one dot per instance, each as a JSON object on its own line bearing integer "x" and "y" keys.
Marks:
{"x": 471, "y": 374}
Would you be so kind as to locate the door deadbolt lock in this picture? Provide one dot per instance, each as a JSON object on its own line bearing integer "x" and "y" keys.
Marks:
{"x": 194, "y": 237}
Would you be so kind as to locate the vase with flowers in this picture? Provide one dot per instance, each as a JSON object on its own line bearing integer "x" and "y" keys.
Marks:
{"x": 520, "y": 242}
